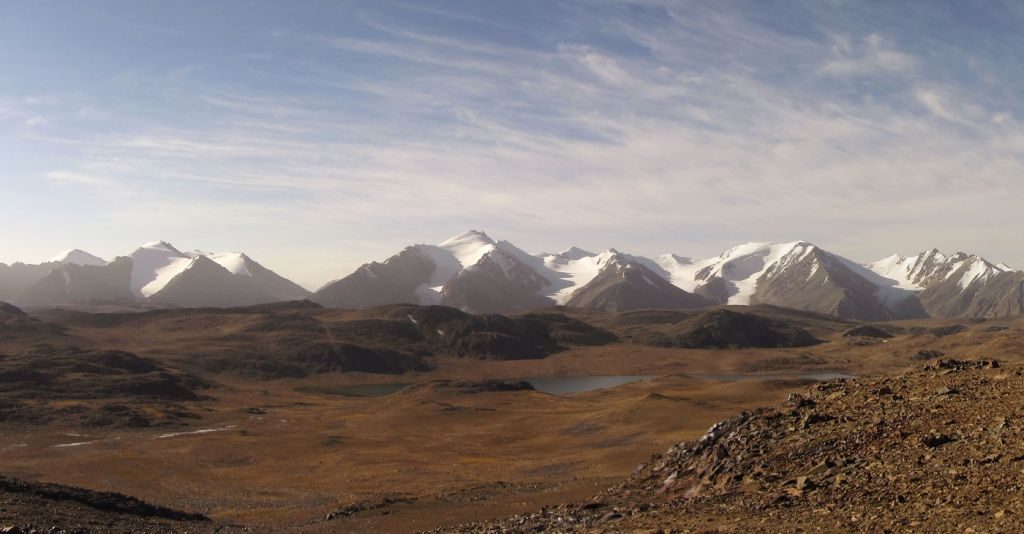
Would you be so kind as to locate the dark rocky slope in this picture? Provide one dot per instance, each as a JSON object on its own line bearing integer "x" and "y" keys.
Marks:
{"x": 208, "y": 284}
{"x": 725, "y": 329}
{"x": 498, "y": 283}
{"x": 93, "y": 388}
{"x": 393, "y": 281}
{"x": 27, "y": 506}
{"x": 934, "y": 450}
{"x": 820, "y": 282}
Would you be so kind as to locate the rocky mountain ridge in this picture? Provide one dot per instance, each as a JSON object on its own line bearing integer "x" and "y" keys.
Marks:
{"x": 156, "y": 273}
{"x": 477, "y": 274}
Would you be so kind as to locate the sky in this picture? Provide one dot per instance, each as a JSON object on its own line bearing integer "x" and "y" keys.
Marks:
{"x": 319, "y": 135}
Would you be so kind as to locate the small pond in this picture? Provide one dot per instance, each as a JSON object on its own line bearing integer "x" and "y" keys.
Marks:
{"x": 565, "y": 385}
{"x": 555, "y": 385}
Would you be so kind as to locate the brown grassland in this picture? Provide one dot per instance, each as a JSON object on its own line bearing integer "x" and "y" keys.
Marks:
{"x": 272, "y": 452}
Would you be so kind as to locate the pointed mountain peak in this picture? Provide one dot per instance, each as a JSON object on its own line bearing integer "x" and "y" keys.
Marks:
{"x": 77, "y": 257}
{"x": 676, "y": 258}
{"x": 770, "y": 250}
{"x": 933, "y": 254}
{"x": 613, "y": 259}
{"x": 161, "y": 245}
{"x": 574, "y": 253}
{"x": 203, "y": 262}
{"x": 236, "y": 262}
{"x": 467, "y": 237}
{"x": 468, "y": 247}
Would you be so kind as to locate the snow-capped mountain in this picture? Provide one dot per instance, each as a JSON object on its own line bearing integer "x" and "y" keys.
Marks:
{"x": 154, "y": 265}
{"x": 623, "y": 284}
{"x": 476, "y": 273}
{"x": 203, "y": 282}
{"x": 473, "y": 272}
{"x": 933, "y": 267}
{"x": 77, "y": 257}
{"x": 957, "y": 285}
{"x": 156, "y": 272}
{"x": 469, "y": 271}
{"x": 157, "y": 264}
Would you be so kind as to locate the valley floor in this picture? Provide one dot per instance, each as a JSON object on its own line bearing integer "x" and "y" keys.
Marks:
{"x": 287, "y": 454}
{"x": 268, "y": 456}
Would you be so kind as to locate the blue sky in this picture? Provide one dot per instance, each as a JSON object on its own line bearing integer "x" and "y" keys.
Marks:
{"x": 319, "y": 135}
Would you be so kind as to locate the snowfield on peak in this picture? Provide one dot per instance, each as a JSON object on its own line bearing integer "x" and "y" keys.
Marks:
{"x": 450, "y": 257}
{"x": 573, "y": 271}
{"x": 899, "y": 269}
{"x": 468, "y": 247}
{"x": 917, "y": 273}
{"x": 154, "y": 265}
{"x": 739, "y": 268}
{"x": 235, "y": 262}
{"x": 478, "y": 274}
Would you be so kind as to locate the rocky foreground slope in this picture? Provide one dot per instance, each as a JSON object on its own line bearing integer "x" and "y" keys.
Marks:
{"x": 31, "y": 507}
{"x": 935, "y": 450}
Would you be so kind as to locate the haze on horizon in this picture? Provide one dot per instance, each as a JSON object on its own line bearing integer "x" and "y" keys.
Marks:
{"x": 316, "y": 138}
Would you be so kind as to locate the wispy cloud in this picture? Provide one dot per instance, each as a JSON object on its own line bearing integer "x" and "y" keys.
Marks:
{"x": 950, "y": 108}
{"x": 675, "y": 126}
{"x": 871, "y": 55}
{"x": 77, "y": 178}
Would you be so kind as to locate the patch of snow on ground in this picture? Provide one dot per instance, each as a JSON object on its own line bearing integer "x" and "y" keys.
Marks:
{"x": 81, "y": 443}
{"x": 196, "y": 432}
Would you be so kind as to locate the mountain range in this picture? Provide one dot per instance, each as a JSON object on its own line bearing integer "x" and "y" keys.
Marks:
{"x": 155, "y": 272}
{"x": 477, "y": 274}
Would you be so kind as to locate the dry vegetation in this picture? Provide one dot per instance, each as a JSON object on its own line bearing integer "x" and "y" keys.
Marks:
{"x": 261, "y": 441}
